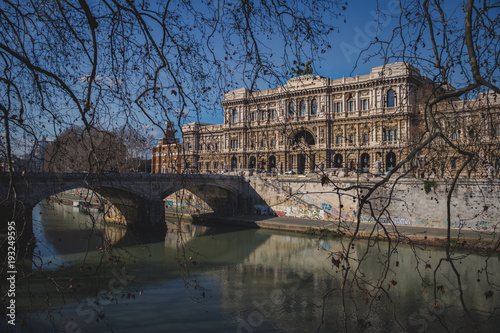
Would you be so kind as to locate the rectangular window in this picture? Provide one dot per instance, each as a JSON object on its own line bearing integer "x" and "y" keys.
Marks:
{"x": 497, "y": 131}
{"x": 272, "y": 143}
{"x": 273, "y": 114}
{"x": 351, "y": 105}
{"x": 338, "y": 140}
{"x": 453, "y": 163}
{"x": 263, "y": 115}
{"x": 365, "y": 104}
{"x": 252, "y": 116}
{"x": 338, "y": 107}
{"x": 391, "y": 135}
{"x": 351, "y": 139}
{"x": 262, "y": 143}
{"x": 365, "y": 138}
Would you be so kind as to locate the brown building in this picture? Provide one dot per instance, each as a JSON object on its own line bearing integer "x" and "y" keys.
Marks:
{"x": 365, "y": 123}
{"x": 167, "y": 156}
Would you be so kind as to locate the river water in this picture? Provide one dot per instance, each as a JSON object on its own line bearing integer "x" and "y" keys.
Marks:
{"x": 84, "y": 277}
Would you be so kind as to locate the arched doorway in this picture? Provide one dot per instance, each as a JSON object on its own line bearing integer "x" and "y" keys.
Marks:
{"x": 251, "y": 165}
{"x": 390, "y": 161}
{"x": 337, "y": 161}
{"x": 304, "y": 137}
{"x": 272, "y": 162}
{"x": 365, "y": 162}
{"x": 234, "y": 163}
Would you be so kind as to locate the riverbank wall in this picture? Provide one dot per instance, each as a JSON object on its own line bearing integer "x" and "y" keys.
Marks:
{"x": 475, "y": 203}
{"x": 464, "y": 239}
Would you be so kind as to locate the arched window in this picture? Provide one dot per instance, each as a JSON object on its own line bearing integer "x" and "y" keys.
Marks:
{"x": 252, "y": 163}
{"x": 390, "y": 161}
{"x": 314, "y": 107}
{"x": 337, "y": 161}
{"x": 390, "y": 98}
{"x": 302, "y": 108}
{"x": 234, "y": 162}
{"x": 365, "y": 162}
{"x": 272, "y": 162}
{"x": 235, "y": 116}
{"x": 291, "y": 110}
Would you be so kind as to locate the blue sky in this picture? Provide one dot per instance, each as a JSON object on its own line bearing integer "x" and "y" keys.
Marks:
{"x": 353, "y": 35}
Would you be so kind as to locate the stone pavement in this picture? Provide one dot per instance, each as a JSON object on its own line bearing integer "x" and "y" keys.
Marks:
{"x": 347, "y": 228}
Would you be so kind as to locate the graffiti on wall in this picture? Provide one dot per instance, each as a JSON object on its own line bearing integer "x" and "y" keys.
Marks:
{"x": 290, "y": 212}
{"x": 328, "y": 208}
{"x": 305, "y": 213}
{"x": 386, "y": 220}
{"x": 367, "y": 219}
{"x": 423, "y": 222}
{"x": 263, "y": 210}
{"x": 309, "y": 199}
{"x": 478, "y": 225}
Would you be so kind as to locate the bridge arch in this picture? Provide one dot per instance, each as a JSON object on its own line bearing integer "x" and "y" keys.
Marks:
{"x": 125, "y": 207}
{"x": 35, "y": 187}
{"x": 222, "y": 199}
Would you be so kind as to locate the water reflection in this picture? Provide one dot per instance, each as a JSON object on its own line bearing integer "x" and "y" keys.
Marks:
{"x": 64, "y": 229}
{"x": 251, "y": 281}
{"x": 182, "y": 230}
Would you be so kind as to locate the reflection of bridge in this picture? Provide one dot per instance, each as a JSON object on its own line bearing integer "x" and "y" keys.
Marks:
{"x": 138, "y": 197}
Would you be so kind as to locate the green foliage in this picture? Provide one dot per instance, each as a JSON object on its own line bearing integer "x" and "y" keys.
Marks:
{"x": 428, "y": 185}
{"x": 321, "y": 232}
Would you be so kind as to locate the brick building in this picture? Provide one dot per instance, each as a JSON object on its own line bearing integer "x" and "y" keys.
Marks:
{"x": 167, "y": 156}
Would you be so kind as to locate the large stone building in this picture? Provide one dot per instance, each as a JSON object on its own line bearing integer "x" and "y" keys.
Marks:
{"x": 364, "y": 123}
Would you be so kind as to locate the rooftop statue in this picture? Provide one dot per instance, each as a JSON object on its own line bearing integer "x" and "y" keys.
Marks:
{"x": 306, "y": 71}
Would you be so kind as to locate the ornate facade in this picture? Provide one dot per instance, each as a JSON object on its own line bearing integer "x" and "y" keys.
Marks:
{"x": 364, "y": 123}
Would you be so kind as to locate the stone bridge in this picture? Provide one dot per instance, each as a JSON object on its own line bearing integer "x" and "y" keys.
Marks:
{"x": 138, "y": 197}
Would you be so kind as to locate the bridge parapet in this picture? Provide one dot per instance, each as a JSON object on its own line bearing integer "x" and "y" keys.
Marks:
{"x": 137, "y": 195}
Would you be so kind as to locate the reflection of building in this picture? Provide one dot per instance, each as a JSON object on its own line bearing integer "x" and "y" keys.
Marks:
{"x": 167, "y": 155}
{"x": 364, "y": 123}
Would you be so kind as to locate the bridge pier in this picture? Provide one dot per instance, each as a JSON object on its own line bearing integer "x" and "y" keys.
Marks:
{"x": 154, "y": 218}
{"x": 139, "y": 214}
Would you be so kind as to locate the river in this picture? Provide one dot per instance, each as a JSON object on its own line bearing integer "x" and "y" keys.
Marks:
{"x": 86, "y": 277}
